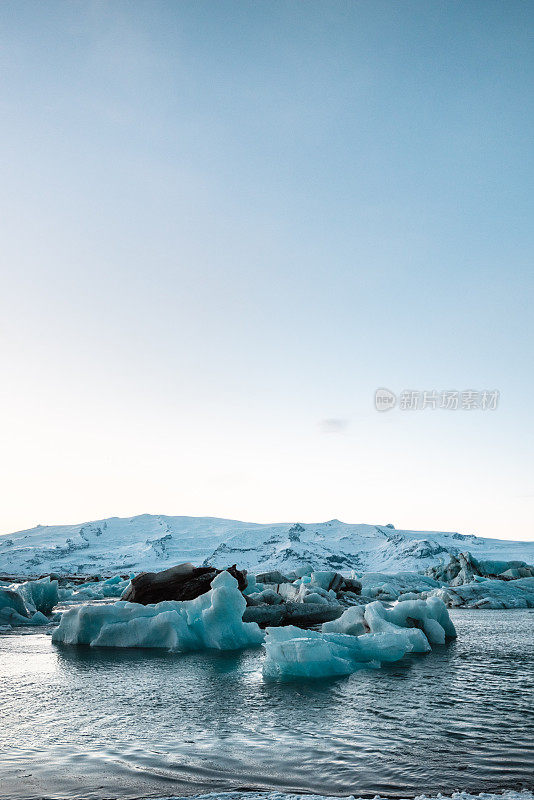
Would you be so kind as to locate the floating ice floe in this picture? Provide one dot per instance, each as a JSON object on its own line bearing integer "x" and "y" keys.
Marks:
{"x": 352, "y": 621}
{"x": 380, "y": 586}
{"x": 212, "y": 620}
{"x": 342, "y": 646}
{"x": 464, "y": 568}
{"x": 295, "y": 653}
{"x": 489, "y": 593}
{"x": 306, "y": 592}
{"x": 306, "y": 600}
{"x": 40, "y": 595}
{"x": 94, "y": 590}
{"x": 13, "y": 611}
{"x": 319, "y": 587}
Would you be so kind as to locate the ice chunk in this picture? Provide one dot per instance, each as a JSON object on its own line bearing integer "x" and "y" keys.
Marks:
{"x": 252, "y": 585}
{"x": 304, "y": 656}
{"x": 489, "y": 593}
{"x": 291, "y": 592}
{"x": 351, "y": 622}
{"x": 417, "y": 614}
{"x": 314, "y": 597}
{"x": 268, "y": 596}
{"x": 13, "y": 610}
{"x": 424, "y": 620}
{"x": 294, "y": 653}
{"x": 95, "y": 590}
{"x": 438, "y": 609}
{"x": 465, "y": 568}
{"x": 326, "y": 580}
{"x": 39, "y": 619}
{"x": 377, "y": 619}
{"x": 383, "y": 647}
{"x": 212, "y": 620}
{"x": 385, "y": 591}
{"x": 111, "y": 581}
{"x": 10, "y": 599}
{"x": 41, "y": 595}
{"x": 343, "y": 646}
{"x": 510, "y": 574}
{"x": 305, "y": 592}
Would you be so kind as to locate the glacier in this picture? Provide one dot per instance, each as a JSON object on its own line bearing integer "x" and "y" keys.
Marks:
{"x": 151, "y": 542}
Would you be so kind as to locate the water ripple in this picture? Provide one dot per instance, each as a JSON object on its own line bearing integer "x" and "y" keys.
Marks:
{"x": 128, "y": 723}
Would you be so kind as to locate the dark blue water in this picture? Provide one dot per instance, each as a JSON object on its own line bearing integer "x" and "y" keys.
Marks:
{"x": 80, "y": 722}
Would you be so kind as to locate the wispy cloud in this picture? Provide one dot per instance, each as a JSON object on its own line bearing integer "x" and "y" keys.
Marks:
{"x": 333, "y": 425}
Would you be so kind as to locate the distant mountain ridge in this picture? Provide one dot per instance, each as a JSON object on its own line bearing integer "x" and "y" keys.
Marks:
{"x": 153, "y": 542}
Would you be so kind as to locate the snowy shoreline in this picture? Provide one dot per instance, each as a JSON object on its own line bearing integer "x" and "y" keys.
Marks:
{"x": 507, "y": 794}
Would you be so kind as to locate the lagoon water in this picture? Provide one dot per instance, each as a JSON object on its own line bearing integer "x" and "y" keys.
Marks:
{"x": 89, "y": 723}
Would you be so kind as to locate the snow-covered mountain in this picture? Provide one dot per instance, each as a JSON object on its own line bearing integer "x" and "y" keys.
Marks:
{"x": 153, "y": 542}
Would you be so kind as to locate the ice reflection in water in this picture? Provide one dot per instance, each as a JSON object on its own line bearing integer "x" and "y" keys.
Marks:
{"x": 80, "y": 722}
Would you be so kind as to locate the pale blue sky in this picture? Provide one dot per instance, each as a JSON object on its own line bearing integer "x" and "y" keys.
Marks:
{"x": 225, "y": 222}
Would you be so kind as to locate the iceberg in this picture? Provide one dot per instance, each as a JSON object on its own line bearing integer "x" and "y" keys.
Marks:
{"x": 94, "y": 590}
{"x": 13, "y": 611}
{"x": 431, "y": 616}
{"x": 378, "y": 621}
{"x": 360, "y": 637}
{"x": 351, "y": 622}
{"x": 212, "y": 620}
{"x": 379, "y": 586}
{"x": 301, "y": 591}
{"x": 488, "y": 593}
{"x": 12, "y": 601}
{"x": 465, "y": 568}
{"x": 295, "y": 653}
{"x": 424, "y": 621}
{"x": 41, "y": 595}
{"x": 327, "y": 580}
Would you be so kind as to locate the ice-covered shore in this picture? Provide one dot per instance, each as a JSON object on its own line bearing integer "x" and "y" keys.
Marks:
{"x": 506, "y": 795}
